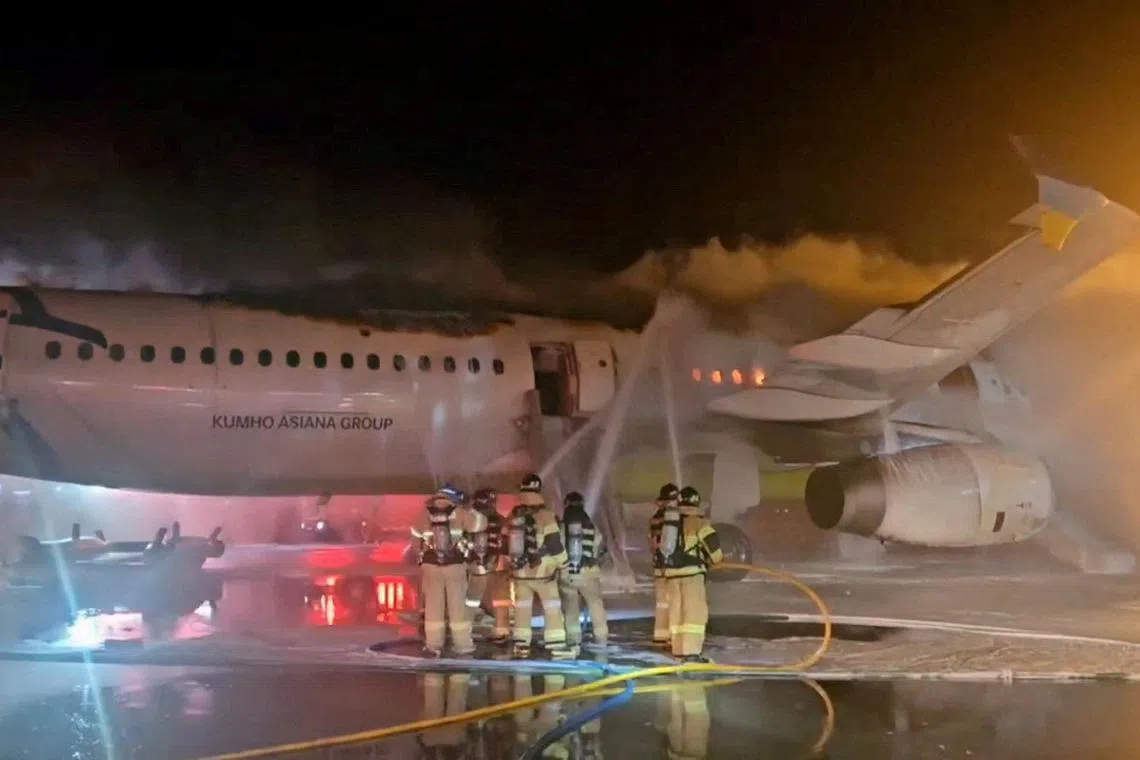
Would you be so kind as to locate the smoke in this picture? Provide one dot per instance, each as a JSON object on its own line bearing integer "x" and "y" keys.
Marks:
{"x": 808, "y": 287}
{"x": 805, "y": 289}
{"x": 1079, "y": 362}
{"x": 92, "y": 266}
{"x": 842, "y": 269}
{"x": 77, "y": 212}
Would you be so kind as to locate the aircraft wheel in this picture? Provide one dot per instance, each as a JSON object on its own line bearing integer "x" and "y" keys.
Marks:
{"x": 737, "y": 547}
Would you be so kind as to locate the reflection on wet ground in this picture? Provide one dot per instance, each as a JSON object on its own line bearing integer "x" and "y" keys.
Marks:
{"x": 214, "y": 604}
{"x": 54, "y": 709}
{"x": 205, "y": 604}
{"x": 186, "y": 713}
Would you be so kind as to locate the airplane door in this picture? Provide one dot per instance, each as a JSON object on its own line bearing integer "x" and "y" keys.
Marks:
{"x": 6, "y": 304}
{"x": 597, "y": 375}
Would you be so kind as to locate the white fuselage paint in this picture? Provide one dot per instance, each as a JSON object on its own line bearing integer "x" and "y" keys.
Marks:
{"x": 222, "y": 427}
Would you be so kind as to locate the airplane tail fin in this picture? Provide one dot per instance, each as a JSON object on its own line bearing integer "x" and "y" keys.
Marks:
{"x": 1076, "y": 228}
{"x": 1060, "y": 205}
{"x": 894, "y": 354}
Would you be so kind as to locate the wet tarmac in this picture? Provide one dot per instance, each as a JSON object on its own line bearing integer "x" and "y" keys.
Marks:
{"x": 218, "y": 604}
{"x": 205, "y": 604}
{"x": 121, "y": 712}
{"x": 70, "y": 709}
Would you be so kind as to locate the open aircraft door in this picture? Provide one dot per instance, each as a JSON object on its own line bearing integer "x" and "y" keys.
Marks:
{"x": 597, "y": 375}
{"x": 6, "y": 305}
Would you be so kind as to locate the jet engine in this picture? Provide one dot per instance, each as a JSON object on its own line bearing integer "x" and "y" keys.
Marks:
{"x": 945, "y": 495}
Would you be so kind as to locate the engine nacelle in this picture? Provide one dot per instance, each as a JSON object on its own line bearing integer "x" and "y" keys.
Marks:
{"x": 946, "y": 495}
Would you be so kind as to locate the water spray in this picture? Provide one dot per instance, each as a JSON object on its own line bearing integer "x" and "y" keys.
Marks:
{"x": 670, "y": 410}
{"x": 568, "y": 445}
{"x": 608, "y": 443}
{"x": 603, "y": 455}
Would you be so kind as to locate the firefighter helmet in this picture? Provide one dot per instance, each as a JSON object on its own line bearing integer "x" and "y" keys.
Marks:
{"x": 668, "y": 492}
{"x": 485, "y": 497}
{"x": 531, "y": 484}
{"x": 574, "y": 500}
{"x": 451, "y": 493}
{"x": 690, "y": 497}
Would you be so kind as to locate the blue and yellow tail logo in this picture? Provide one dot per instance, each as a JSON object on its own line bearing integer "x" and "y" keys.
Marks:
{"x": 1055, "y": 227}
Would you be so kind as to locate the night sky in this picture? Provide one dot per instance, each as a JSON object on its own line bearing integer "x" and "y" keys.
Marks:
{"x": 574, "y": 140}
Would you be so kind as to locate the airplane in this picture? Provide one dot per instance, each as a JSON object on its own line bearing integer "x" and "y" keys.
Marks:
{"x": 248, "y": 394}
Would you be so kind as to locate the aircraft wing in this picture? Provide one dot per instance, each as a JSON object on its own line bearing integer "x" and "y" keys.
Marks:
{"x": 894, "y": 354}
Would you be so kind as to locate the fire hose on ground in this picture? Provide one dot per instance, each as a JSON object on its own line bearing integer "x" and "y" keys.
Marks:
{"x": 600, "y": 687}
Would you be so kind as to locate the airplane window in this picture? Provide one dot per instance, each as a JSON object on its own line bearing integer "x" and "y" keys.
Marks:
{"x": 398, "y": 362}
{"x": 473, "y": 365}
{"x": 320, "y": 359}
{"x": 236, "y": 356}
{"x": 86, "y": 351}
{"x": 116, "y": 352}
{"x": 425, "y": 364}
{"x": 373, "y": 361}
{"x": 346, "y": 361}
{"x": 146, "y": 353}
{"x": 178, "y": 354}
{"x": 207, "y": 355}
{"x": 265, "y": 357}
{"x": 448, "y": 364}
{"x": 293, "y": 359}
{"x": 497, "y": 366}
{"x": 52, "y": 349}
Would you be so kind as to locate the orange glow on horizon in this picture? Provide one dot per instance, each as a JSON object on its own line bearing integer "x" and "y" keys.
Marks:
{"x": 758, "y": 376}
{"x": 737, "y": 377}
{"x": 716, "y": 377}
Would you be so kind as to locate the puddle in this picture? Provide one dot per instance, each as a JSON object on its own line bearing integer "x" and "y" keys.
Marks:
{"x": 772, "y": 627}
{"x": 764, "y": 628}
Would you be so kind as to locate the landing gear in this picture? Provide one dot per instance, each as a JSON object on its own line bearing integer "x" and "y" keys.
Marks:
{"x": 737, "y": 547}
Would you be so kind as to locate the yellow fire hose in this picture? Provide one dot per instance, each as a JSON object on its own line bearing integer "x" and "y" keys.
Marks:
{"x": 596, "y": 688}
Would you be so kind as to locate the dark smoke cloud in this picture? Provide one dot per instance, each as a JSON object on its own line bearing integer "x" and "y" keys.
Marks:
{"x": 77, "y": 212}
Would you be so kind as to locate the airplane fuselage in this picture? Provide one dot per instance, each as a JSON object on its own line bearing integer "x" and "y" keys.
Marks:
{"x": 181, "y": 394}
{"x": 200, "y": 396}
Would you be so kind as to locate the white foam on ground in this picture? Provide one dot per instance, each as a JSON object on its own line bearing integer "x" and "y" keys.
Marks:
{"x": 935, "y": 625}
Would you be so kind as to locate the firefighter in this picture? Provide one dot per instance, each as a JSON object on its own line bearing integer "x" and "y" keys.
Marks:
{"x": 442, "y": 529}
{"x": 586, "y": 742}
{"x": 536, "y": 554}
{"x": 493, "y": 738}
{"x": 532, "y": 723}
{"x": 666, "y": 498}
{"x": 689, "y": 547}
{"x": 687, "y": 732}
{"x": 488, "y": 571}
{"x": 582, "y": 576}
{"x": 443, "y": 696}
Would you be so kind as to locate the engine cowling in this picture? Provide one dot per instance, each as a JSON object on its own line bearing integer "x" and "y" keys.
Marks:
{"x": 939, "y": 496}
